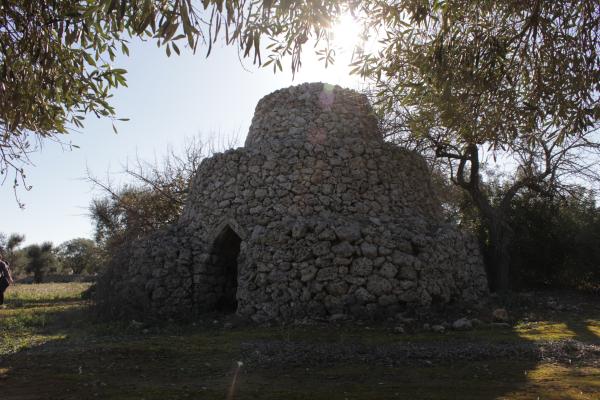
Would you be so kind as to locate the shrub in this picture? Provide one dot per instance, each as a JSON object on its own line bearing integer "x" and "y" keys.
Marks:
{"x": 556, "y": 241}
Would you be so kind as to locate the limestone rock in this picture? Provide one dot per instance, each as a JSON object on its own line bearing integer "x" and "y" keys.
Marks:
{"x": 349, "y": 233}
{"x": 378, "y": 285}
{"x": 463, "y": 324}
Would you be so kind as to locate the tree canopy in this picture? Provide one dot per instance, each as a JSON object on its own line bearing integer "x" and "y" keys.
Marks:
{"x": 79, "y": 255}
{"x": 39, "y": 259}
{"x": 470, "y": 82}
{"x": 9, "y": 245}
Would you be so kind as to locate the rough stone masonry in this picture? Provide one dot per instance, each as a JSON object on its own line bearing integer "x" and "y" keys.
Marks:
{"x": 315, "y": 217}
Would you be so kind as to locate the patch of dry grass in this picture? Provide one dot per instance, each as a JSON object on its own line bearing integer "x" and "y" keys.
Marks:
{"x": 31, "y": 312}
{"x": 44, "y": 292}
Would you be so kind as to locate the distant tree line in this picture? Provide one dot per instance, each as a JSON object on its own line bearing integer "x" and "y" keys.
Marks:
{"x": 78, "y": 256}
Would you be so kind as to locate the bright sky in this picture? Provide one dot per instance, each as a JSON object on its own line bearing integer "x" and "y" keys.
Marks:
{"x": 167, "y": 101}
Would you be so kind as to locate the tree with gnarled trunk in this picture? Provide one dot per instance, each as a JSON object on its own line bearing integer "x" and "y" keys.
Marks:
{"x": 516, "y": 81}
{"x": 540, "y": 163}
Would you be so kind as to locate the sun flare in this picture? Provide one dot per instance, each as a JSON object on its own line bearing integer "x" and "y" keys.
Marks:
{"x": 346, "y": 33}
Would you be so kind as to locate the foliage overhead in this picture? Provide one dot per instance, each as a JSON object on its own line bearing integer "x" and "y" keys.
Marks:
{"x": 476, "y": 66}
{"x": 56, "y": 58}
{"x": 54, "y": 70}
{"x": 514, "y": 79}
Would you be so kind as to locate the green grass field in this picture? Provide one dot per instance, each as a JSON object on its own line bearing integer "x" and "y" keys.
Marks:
{"x": 52, "y": 348}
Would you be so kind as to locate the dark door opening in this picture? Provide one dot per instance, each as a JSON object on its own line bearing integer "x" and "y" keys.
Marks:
{"x": 226, "y": 250}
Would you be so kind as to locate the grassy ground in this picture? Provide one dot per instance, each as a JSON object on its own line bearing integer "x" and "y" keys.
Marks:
{"x": 50, "y": 348}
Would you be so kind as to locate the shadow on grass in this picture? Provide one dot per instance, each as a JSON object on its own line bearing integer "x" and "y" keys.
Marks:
{"x": 32, "y": 303}
{"x": 586, "y": 329}
{"x": 80, "y": 357}
{"x": 583, "y": 331}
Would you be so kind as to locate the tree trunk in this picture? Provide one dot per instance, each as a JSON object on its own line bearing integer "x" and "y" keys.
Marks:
{"x": 493, "y": 218}
{"x": 497, "y": 251}
{"x": 37, "y": 276}
{"x": 497, "y": 237}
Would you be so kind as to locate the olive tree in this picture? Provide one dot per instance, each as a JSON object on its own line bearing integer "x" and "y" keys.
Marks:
{"x": 517, "y": 82}
{"x": 80, "y": 255}
{"x": 40, "y": 258}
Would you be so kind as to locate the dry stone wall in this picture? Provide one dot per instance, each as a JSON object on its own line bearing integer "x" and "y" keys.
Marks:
{"x": 316, "y": 217}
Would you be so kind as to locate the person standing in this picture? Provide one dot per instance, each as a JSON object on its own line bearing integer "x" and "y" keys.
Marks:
{"x": 5, "y": 278}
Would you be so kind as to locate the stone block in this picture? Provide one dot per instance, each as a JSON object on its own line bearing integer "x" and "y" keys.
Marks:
{"x": 361, "y": 267}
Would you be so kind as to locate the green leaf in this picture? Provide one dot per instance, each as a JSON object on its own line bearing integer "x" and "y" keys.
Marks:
{"x": 89, "y": 59}
{"x": 187, "y": 25}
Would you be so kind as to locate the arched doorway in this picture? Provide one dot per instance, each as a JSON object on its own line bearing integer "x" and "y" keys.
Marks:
{"x": 226, "y": 249}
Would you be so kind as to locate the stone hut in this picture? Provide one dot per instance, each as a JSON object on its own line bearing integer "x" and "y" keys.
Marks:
{"x": 316, "y": 216}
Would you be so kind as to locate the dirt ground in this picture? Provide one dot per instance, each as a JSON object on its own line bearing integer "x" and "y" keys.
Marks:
{"x": 52, "y": 347}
